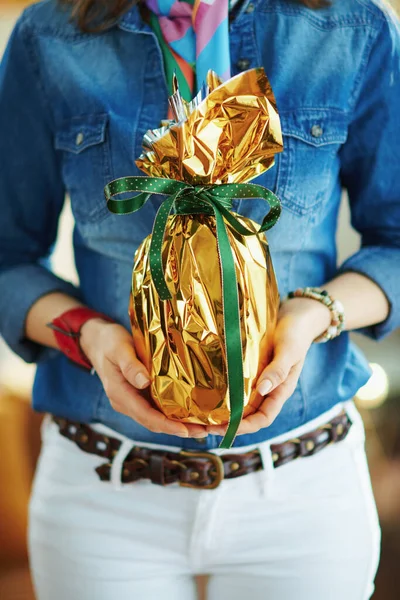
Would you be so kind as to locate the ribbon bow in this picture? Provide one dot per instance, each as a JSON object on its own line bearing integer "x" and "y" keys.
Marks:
{"x": 209, "y": 199}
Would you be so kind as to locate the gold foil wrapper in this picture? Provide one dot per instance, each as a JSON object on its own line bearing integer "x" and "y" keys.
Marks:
{"x": 181, "y": 341}
{"x": 230, "y": 136}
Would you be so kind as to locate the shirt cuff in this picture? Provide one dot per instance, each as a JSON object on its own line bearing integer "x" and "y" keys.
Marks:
{"x": 381, "y": 265}
{"x": 20, "y": 288}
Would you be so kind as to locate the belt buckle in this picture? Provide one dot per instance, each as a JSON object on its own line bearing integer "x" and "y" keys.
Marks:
{"x": 218, "y": 466}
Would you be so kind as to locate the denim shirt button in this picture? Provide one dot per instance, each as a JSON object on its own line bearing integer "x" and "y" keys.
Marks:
{"x": 250, "y": 8}
{"x": 316, "y": 131}
{"x": 79, "y": 139}
{"x": 243, "y": 64}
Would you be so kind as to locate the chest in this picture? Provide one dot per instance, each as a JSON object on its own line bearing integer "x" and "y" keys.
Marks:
{"x": 112, "y": 89}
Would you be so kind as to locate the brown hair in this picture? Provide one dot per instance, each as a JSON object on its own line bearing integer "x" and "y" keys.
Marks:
{"x": 99, "y": 15}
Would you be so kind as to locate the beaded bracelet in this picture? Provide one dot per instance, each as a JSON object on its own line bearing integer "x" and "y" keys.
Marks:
{"x": 337, "y": 311}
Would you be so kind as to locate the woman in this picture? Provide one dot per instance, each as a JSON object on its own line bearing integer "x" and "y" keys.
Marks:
{"x": 74, "y": 105}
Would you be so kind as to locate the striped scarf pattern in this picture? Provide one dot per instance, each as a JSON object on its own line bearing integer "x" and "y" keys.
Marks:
{"x": 194, "y": 37}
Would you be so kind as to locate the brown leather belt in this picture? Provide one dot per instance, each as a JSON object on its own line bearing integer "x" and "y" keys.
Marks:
{"x": 197, "y": 469}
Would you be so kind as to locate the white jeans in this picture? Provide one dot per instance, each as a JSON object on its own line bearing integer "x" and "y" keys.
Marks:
{"x": 307, "y": 530}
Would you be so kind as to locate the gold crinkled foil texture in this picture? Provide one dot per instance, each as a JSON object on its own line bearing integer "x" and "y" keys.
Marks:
{"x": 181, "y": 340}
{"x": 230, "y": 136}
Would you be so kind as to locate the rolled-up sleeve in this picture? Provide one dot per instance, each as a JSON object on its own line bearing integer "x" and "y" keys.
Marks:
{"x": 31, "y": 193}
{"x": 370, "y": 170}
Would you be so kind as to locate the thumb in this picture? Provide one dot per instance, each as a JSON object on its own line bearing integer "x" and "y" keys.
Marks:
{"x": 274, "y": 374}
{"x": 131, "y": 368}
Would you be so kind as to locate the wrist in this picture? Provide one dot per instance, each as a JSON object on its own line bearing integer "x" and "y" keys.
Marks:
{"x": 67, "y": 330}
{"x": 90, "y": 333}
{"x": 313, "y": 317}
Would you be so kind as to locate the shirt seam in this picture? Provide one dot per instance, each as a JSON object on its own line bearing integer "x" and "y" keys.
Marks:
{"x": 358, "y": 257}
{"x": 361, "y": 77}
{"x": 379, "y": 12}
{"x": 47, "y": 30}
{"x": 331, "y": 22}
{"x": 28, "y": 41}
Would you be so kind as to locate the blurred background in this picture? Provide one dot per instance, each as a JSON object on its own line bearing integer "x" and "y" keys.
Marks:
{"x": 379, "y": 402}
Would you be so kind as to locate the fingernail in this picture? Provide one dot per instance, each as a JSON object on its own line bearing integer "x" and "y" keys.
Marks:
{"x": 200, "y": 435}
{"x": 183, "y": 434}
{"x": 264, "y": 387}
{"x": 141, "y": 380}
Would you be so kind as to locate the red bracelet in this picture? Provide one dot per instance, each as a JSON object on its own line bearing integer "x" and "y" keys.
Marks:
{"x": 67, "y": 331}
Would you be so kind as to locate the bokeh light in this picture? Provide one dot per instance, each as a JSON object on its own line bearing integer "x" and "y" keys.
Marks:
{"x": 376, "y": 390}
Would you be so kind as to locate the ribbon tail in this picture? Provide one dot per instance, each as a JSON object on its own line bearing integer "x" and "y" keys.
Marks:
{"x": 232, "y": 220}
{"x": 155, "y": 251}
{"x": 233, "y": 341}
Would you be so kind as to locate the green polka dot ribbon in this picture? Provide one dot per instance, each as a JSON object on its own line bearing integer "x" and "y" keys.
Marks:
{"x": 184, "y": 198}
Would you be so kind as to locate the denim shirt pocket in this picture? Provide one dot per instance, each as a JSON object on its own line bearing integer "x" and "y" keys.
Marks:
{"x": 86, "y": 164}
{"x": 309, "y": 161}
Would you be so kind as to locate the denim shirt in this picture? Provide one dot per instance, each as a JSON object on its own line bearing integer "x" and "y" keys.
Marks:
{"x": 73, "y": 111}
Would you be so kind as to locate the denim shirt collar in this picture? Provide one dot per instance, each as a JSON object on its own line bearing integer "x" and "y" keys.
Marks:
{"x": 132, "y": 20}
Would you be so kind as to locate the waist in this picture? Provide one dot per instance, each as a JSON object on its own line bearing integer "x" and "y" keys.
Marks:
{"x": 66, "y": 391}
{"x": 295, "y": 432}
{"x": 130, "y": 462}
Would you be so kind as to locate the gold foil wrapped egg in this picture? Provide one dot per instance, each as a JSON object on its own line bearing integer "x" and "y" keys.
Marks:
{"x": 181, "y": 341}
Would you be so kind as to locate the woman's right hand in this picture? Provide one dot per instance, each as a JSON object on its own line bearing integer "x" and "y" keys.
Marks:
{"x": 110, "y": 349}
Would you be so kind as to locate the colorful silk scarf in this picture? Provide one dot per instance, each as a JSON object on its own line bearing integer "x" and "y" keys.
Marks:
{"x": 194, "y": 37}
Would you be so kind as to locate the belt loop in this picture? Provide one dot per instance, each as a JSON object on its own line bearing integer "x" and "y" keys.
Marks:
{"x": 268, "y": 471}
{"x": 117, "y": 464}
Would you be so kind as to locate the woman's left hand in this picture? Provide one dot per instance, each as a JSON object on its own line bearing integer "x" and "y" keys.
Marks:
{"x": 300, "y": 321}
